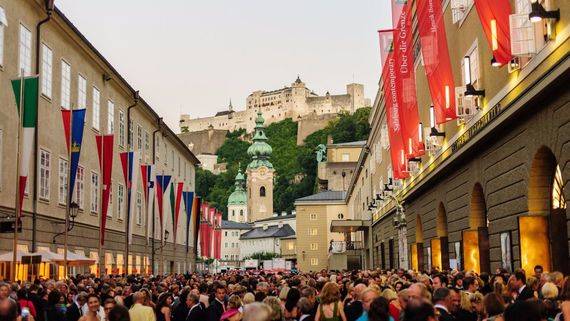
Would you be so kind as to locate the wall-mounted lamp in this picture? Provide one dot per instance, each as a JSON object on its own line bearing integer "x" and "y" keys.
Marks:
{"x": 469, "y": 89}
{"x": 537, "y": 13}
{"x": 495, "y": 63}
{"x": 514, "y": 64}
{"x": 432, "y": 124}
{"x": 379, "y": 196}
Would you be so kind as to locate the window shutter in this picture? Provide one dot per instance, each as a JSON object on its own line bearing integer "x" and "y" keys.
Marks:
{"x": 523, "y": 42}
{"x": 458, "y": 9}
{"x": 465, "y": 107}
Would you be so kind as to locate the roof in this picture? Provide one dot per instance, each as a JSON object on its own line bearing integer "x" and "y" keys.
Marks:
{"x": 323, "y": 196}
{"x": 223, "y": 113}
{"x": 270, "y": 231}
{"x": 276, "y": 218}
{"x": 121, "y": 79}
{"x": 358, "y": 143}
{"x": 231, "y": 225}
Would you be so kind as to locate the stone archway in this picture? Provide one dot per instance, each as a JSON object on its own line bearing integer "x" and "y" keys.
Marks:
{"x": 417, "y": 248}
{"x": 440, "y": 245}
{"x": 476, "y": 238}
{"x": 544, "y": 232}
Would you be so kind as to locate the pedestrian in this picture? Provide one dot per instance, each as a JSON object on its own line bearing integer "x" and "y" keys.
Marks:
{"x": 140, "y": 312}
{"x": 119, "y": 313}
{"x": 162, "y": 309}
{"x": 217, "y": 306}
{"x": 93, "y": 305}
{"x": 330, "y": 307}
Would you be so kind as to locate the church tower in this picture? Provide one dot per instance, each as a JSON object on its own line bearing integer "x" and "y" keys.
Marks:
{"x": 237, "y": 202}
{"x": 260, "y": 174}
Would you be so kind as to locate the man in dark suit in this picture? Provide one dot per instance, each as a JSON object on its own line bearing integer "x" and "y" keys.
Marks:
{"x": 74, "y": 312}
{"x": 218, "y": 305}
{"x": 354, "y": 309}
{"x": 305, "y": 307}
{"x": 442, "y": 303}
{"x": 195, "y": 310}
{"x": 524, "y": 292}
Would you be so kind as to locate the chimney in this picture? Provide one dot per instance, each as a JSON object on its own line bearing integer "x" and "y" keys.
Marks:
{"x": 280, "y": 224}
{"x": 329, "y": 140}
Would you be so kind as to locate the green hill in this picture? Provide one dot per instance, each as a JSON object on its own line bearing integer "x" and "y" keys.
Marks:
{"x": 295, "y": 166}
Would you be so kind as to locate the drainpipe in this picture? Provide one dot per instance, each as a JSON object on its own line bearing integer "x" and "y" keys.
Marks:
{"x": 49, "y": 6}
{"x": 130, "y": 194}
{"x": 153, "y": 214}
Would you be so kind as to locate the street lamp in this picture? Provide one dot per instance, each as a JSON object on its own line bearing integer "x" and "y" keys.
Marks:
{"x": 73, "y": 211}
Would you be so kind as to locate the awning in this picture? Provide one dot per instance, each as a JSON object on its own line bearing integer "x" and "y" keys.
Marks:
{"x": 75, "y": 259}
{"x": 46, "y": 256}
{"x": 347, "y": 226}
{"x": 3, "y": 20}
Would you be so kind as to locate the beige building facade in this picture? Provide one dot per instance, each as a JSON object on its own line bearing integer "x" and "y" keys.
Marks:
{"x": 73, "y": 74}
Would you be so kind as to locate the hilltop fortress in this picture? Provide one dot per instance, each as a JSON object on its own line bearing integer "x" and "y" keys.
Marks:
{"x": 296, "y": 102}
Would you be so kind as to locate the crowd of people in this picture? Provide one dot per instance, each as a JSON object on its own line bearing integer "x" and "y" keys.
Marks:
{"x": 370, "y": 295}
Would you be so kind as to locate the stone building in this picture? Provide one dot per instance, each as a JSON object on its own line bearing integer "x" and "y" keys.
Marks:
{"x": 75, "y": 74}
{"x": 295, "y": 102}
{"x": 205, "y": 144}
{"x": 491, "y": 190}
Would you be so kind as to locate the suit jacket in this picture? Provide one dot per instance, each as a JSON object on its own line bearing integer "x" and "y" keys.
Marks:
{"x": 444, "y": 315}
{"x": 526, "y": 293}
{"x": 140, "y": 312}
{"x": 215, "y": 310}
{"x": 197, "y": 314}
{"x": 353, "y": 310}
{"x": 73, "y": 313}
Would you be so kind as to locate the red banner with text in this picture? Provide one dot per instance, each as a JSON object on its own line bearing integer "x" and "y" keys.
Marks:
{"x": 436, "y": 59}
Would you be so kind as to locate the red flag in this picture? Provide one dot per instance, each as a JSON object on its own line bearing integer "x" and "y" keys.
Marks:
{"x": 386, "y": 38}
{"x": 406, "y": 84}
{"x": 494, "y": 17}
{"x": 105, "y": 152}
{"x": 436, "y": 59}
{"x": 66, "y": 117}
{"x": 179, "y": 188}
{"x": 393, "y": 118}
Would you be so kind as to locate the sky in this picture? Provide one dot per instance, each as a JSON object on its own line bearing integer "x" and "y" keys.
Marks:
{"x": 192, "y": 57}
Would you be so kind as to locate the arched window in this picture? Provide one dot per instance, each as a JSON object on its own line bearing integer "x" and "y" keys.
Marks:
{"x": 240, "y": 212}
{"x": 262, "y": 191}
{"x": 233, "y": 213}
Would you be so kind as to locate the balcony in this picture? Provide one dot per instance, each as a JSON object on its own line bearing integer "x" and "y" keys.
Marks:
{"x": 344, "y": 246}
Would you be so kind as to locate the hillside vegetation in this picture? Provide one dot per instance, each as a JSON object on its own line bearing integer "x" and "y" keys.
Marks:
{"x": 295, "y": 166}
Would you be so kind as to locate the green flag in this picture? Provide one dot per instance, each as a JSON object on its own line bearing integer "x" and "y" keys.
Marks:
{"x": 29, "y": 88}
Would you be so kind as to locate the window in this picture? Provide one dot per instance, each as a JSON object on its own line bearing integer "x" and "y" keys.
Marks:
{"x": 172, "y": 157}
{"x": 79, "y": 183}
{"x": 262, "y": 191}
{"x": 139, "y": 137}
{"x": 96, "y": 105}
{"x": 25, "y": 51}
{"x": 226, "y": 246}
{"x": 65, "y": 85}
{"x": 81, "y": 92}
{"x": 94, "y": 193}
{"x": 139, "y": 209}
{"x": 345, "y": 157}
{"x": 240, "y": 212}
{"x": 226, "y": 233}
{"x": 146, "y": 141}
{"x": 45, "y": 173}
{"x": 157, "y": 149}
{"x": 314, "y": 261}
{"x": 313, "y": 231}
{"x": 62, "y": 179}
{"x": 120, "y": 200}
{"x": 1, "y": 146}
{"x": 110, "y": 117}
{"x": 314, "y": 246}
{"x": 313, "y": 216}
{"x": 47, "y": 58}
{"x": 460, "y": 9}
{"x": 121, "y": 128}
{"x": 130, "y": 137}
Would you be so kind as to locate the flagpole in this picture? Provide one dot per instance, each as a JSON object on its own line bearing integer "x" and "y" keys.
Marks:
{"x": 17, "y": 201}
{"x": 129, "y": 200}
{"x": 100, "y": 251}
{"x": 69, "y": 196}
{"x": 162, "y": 241}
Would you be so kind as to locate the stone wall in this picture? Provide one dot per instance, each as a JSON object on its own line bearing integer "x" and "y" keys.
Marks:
{"x": 310, "y": 124}
{"x": 501, "y": 165}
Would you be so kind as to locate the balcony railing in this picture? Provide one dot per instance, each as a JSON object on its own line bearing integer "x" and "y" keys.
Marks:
{"x": 343, "y": 246}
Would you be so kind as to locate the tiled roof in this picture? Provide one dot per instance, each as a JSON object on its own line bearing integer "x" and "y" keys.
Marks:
{"x": 270, "y": 231}
{"x": 323, "y": 196}
{"x": 276, "y": 218}
{"x": 231, "y": 225}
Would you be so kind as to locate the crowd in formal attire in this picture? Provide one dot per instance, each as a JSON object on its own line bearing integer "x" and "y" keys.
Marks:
{"x": 367, "y": 295}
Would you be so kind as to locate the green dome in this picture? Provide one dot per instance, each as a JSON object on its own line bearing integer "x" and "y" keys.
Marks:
{"x": 239, "y": 196}
{"x": 259, "y": 151}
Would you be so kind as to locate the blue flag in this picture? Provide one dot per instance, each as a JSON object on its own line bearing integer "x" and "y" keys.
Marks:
{"x": 188, "y": 204}
{"x": 78, "y": 122}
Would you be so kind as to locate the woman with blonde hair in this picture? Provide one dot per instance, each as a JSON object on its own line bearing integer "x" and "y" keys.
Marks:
{"x": 276, "y": 310}
{"x": 394, "y": 307}
{"x": 330, "y": 307}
